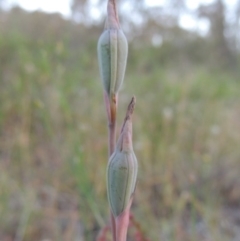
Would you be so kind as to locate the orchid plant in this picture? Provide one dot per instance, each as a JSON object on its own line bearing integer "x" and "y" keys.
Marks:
{"x": 122, "y": 165}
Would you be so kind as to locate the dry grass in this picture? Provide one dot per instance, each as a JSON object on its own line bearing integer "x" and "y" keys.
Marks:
{"x": 53, "y": 147}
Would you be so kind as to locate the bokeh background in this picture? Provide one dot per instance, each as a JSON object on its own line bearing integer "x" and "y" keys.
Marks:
{"x": 183, "y": 68}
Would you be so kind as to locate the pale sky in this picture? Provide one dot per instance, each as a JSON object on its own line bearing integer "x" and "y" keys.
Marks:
{"x": 63, "y": 7}
{"x": 50, "y": 6}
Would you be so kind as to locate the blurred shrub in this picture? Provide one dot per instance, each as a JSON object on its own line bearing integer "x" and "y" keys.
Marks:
{"x": 52, "y": 136}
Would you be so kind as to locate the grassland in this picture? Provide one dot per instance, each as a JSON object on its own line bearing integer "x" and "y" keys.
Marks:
{"x": 53, "y": 144}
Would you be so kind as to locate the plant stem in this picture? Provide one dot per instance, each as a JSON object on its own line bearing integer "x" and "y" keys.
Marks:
{"x": 130, "y": 110}
{"x": 113, "y": 226}
{"x": 112, "y": 124}
{"x": 113, "y": 21}
{"x": 112, "y": 143}
{"x": 122, "y": 221}
{"x": 111, "y": 107}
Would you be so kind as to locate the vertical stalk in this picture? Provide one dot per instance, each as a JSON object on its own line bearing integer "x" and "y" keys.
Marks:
{"x": 112, "y": 54}
{"x": 112, "y": 143}
{"x": 112, "y": 123}
{"x": 112, "y": 137}
{"x": 113, "y": 225}
{"x": 111, "y": 107}
{"x": 113, "y": 21}
{"x": 122, "y": 223}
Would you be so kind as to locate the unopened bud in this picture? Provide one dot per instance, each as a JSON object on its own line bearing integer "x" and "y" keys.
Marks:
{"x": 122, "y": 172}
{"x": 112, "y": 53}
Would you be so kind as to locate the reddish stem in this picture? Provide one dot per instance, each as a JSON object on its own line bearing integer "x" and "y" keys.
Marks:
{"x": 112, "y": 123}
{"x": 112, "y": 14}
{"x": 113, "y": 227}
{"x": 130, "y": 110}
{"x": 111, "y": 107}
{"x": 119, "y": 224}
{"x": 122, "y": 222}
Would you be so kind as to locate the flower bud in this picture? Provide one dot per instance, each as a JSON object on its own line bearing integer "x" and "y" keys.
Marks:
{"x": 112, "y": 53}
{"x": 122, "y": 172}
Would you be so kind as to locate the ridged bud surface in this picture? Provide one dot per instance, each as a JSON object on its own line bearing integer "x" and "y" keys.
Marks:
{"x": 122, "y": 172}
{"x": 112, "y": 57}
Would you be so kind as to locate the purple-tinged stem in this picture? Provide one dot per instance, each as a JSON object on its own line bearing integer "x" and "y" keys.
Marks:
{"x": 112, "y": 20}
{"x": 119, "y": 224}
{"x": 111, "y": 107}
{"x": 122, "y": 221}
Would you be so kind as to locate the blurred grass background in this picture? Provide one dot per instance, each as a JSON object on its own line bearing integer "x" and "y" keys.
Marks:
{"x": 53, "y": 134}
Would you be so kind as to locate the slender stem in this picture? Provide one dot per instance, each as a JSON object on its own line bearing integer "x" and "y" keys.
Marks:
{"x": 112, "y": 137}
{"x": 111, "y": 107}
{"x": 113, "y": 21}
{"x": 122, "y": 222}
{"x": 119, "y": 224}
{"x": 112, "y": 123}
{"x": 130, "y": 110}
{"x": 113, "y": 226}
{"x": 112, "y": 143}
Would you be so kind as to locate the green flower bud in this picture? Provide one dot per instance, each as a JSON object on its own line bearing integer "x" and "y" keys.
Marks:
{"x": 122, "y": 172}
{"x": 112, "y": 57}
{"x": 112, "y": 52}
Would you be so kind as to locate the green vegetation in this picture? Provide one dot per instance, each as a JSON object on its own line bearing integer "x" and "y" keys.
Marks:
{"x": 53, "y": 138}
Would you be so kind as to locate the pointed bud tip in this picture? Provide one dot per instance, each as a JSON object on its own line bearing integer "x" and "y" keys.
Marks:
{"x": 127, "y": 136}
{"x": 112, "y": 15}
